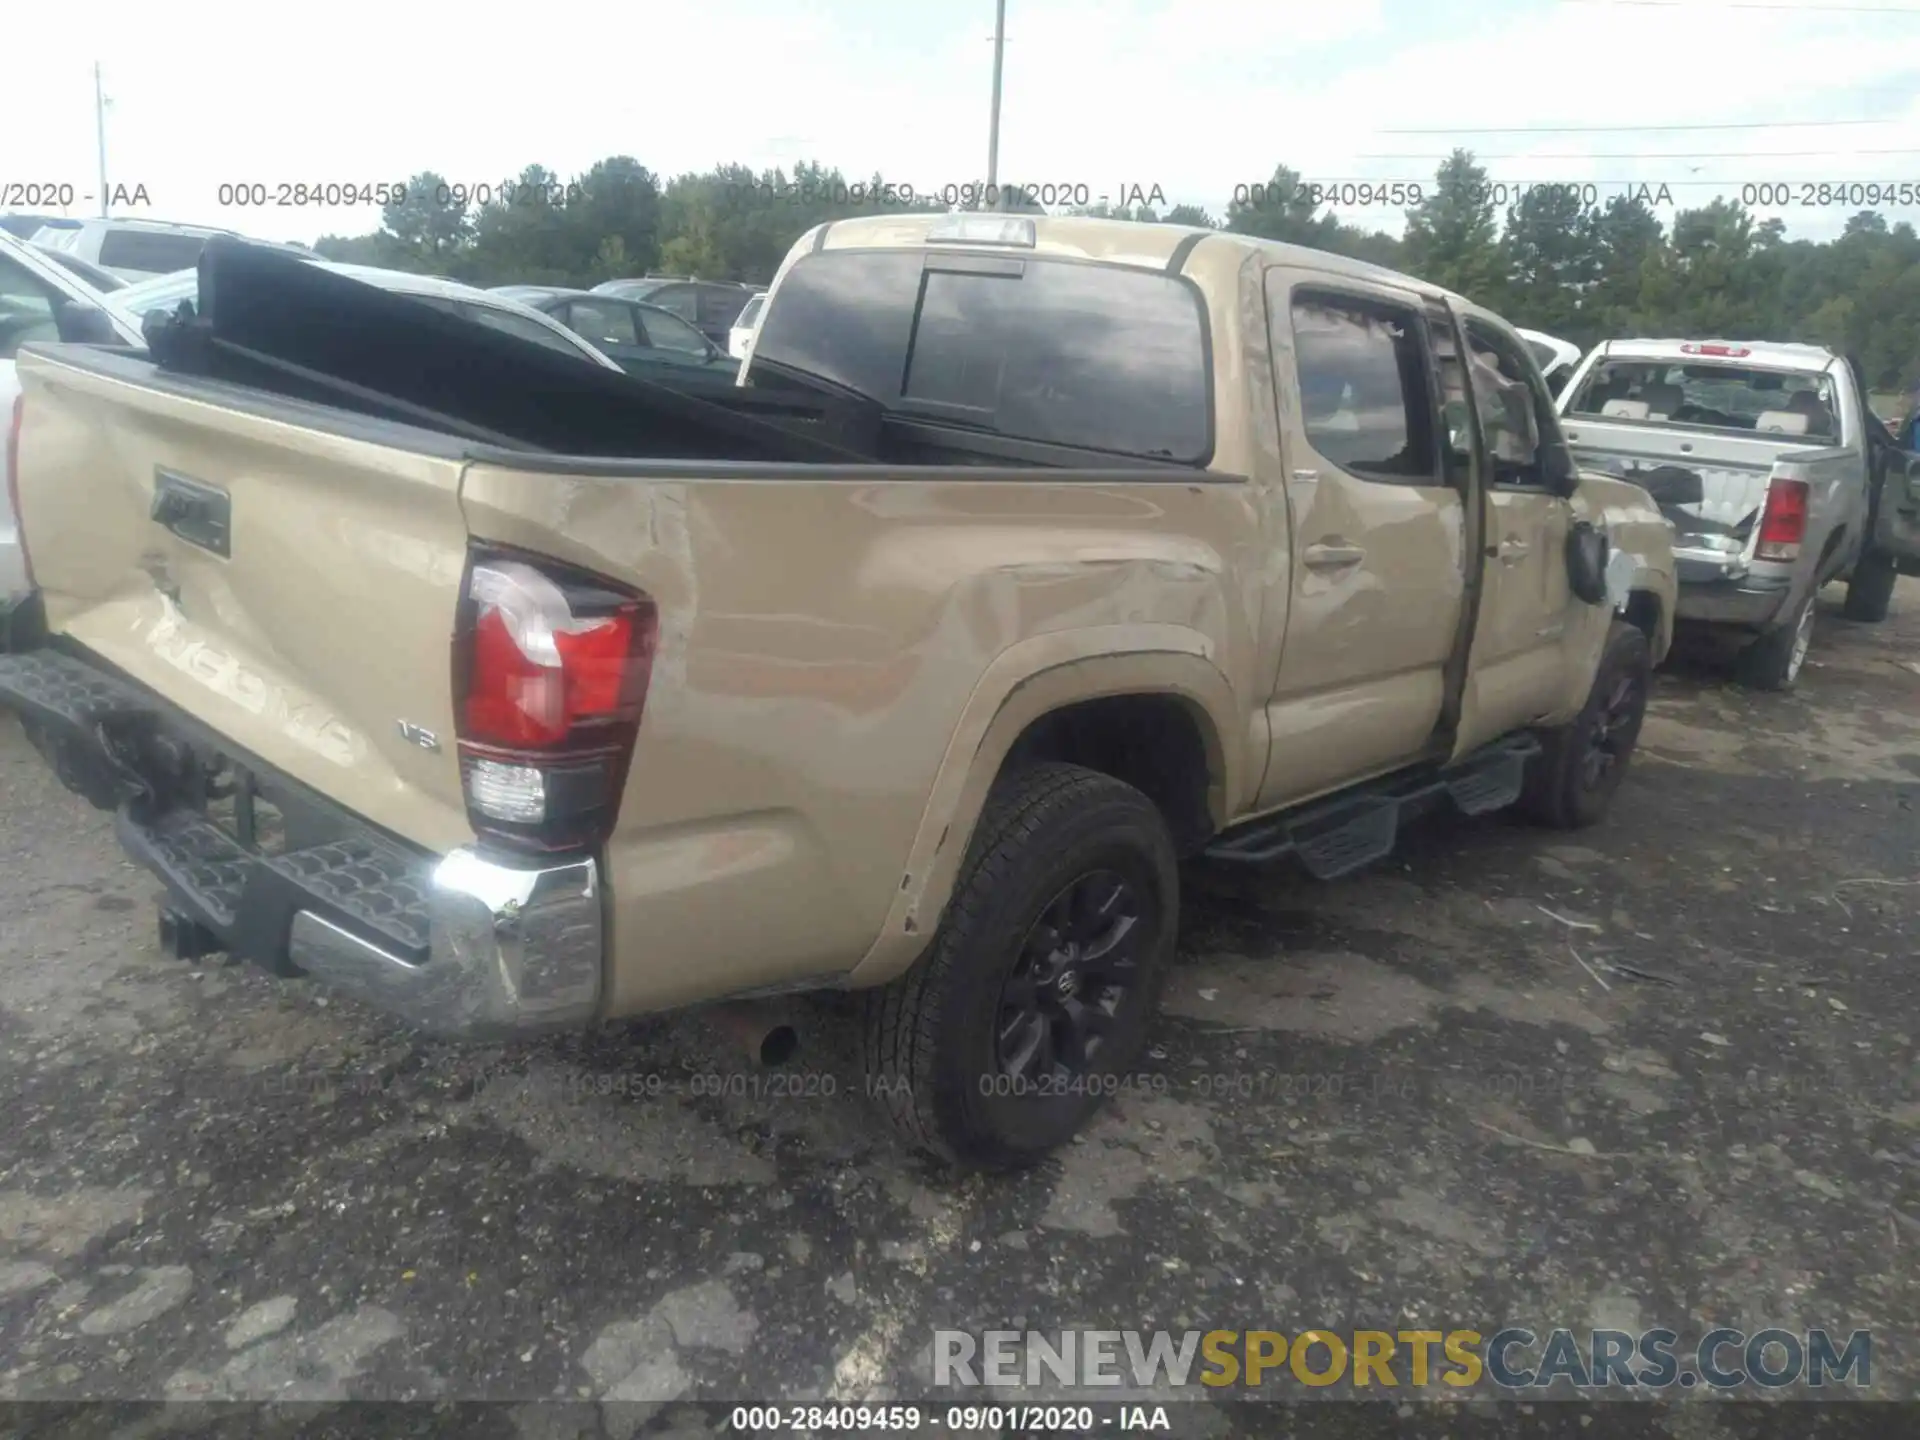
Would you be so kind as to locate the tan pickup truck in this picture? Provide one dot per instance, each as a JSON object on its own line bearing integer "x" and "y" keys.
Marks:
{"x": 1035, "y": 556}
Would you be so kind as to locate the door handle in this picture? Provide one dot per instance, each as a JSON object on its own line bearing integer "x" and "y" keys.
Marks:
{"x": 1332, "y": 557}
{"x": 1512, "y": 549}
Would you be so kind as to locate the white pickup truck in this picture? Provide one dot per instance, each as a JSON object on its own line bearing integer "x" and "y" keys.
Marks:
{"x": 1775, "y": 474}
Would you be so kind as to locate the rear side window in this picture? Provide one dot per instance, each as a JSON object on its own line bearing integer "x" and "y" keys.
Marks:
{"x": 1102, "y": 357}
{"x": 669, "y": 332}
{"x": 605, "y": 322}
{"x": 1364, "y": 395}
{"x": 157, "y": 251}
{"x": 679, "y": 299}
{"x": 508, "y": 323}
{"x": 720, "y": 308}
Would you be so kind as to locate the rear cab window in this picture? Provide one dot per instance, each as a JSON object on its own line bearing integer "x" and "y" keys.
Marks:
{"x": 1712, "y": 395}
{"x": 1093, "y": 356}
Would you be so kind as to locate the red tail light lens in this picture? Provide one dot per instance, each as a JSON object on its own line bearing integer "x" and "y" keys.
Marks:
{"x": 1784, "y": 524}
{"x": 13, "y": 482}
{"x": 1734, "y": 351}
{"x": 551, "y": 668}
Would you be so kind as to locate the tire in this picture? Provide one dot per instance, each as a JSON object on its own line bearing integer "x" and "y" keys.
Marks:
{"x": 1870, "y": 591}
{"x": 932, "y": 1037}
{"x": 1571, "y": 783}
{"x": 1774, "y": 661}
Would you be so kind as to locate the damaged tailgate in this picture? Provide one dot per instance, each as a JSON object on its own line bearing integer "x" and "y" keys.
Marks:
{"x": 289, "y": 587}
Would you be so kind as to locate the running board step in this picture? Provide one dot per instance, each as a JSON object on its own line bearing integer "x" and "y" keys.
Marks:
{"x": 1352, "y": 831}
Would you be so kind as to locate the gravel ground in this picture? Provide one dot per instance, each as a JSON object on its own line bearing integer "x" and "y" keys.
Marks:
{"x": 1658, "y": 1074}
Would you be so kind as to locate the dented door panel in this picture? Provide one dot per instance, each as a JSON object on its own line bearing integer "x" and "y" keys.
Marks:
{"x": 1379, "y": 564}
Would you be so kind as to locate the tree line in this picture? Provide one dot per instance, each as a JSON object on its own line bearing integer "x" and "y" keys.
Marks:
{"x": 1553, "y": 261}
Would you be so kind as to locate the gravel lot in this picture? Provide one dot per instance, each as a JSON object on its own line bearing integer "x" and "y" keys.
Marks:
{"x": 1424, "y": 1094}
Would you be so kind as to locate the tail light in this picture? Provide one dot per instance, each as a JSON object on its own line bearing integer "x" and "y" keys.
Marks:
{"x": 550, "y": 676}
{"x": 13, "y": 483}
{"x": 1784, "y": 524}
{"x": 1730, "y": 351}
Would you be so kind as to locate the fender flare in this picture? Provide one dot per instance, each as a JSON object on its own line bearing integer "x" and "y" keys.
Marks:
{"x": 1632, "y": 572}
{"x": 1025, "y": 682}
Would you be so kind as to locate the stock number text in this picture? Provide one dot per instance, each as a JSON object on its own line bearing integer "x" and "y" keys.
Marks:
{"x": 295, "y": 194}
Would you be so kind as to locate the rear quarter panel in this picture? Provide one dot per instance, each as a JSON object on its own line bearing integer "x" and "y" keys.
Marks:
{"x": 834, "y": 673}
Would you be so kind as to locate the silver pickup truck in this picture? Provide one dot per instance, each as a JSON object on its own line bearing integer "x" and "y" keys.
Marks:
{"x": 1774, "y": 472}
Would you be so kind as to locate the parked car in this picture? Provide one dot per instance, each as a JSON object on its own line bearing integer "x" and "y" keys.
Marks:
{"x": 501, "y": 312}
{"x": 710, "y": 306}
{"x": 1766, "y": 458}
{"x": 103, "y": 281}
{"x": 131, "y": 249}
{"x": 931, "y": 710}
{"x": 34, "y": 294}
{"x": 740, "y": 337}
{"x": 642, "y": 339}
{"x": 1557, "y": 358}
{"x": 24, "y": 226}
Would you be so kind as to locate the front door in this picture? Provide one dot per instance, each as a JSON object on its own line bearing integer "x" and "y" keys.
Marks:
{"x": 1378, "y": 535}
{"x": 1518, "y": 665}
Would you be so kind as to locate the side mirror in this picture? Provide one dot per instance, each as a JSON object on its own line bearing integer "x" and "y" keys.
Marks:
{"x": 82, "y": 324}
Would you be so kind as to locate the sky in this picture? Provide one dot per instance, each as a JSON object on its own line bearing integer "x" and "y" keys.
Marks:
{"x": 1190, "y": 97}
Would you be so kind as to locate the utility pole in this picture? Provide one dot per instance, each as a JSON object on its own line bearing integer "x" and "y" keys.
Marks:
{"x": 993, "y": 125}
{"x": 100, "y": 133}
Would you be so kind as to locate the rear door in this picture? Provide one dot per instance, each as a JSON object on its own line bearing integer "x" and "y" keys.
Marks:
{"x": 1517, "y": 667}
{"x": 1380, "y": 562}
{"x": 284, "y": 573}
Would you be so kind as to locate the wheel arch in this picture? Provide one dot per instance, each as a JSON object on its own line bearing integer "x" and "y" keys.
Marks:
{"x": 1022, "y": 705}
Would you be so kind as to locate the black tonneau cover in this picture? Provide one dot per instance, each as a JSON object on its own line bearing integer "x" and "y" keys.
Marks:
{"x": 273, "y": 321}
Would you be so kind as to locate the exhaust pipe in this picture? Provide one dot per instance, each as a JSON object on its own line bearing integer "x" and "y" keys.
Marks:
{"x": 764, "y": 1029}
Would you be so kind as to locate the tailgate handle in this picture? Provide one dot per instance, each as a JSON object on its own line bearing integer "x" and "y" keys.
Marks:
{"x": 199, "y": 513}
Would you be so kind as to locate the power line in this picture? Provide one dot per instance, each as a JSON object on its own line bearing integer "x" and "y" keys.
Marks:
{"x": 1621, "y": 129}
{"x": 1755, "y": 5}
{"x": 1633, "y": 155}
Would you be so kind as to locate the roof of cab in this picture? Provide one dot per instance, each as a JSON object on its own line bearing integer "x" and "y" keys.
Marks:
{"x": 1780, "y": 353}
{"x": 1124, "y": 242}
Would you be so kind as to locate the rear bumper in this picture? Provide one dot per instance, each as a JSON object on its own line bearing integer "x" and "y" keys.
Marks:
{"x": 465, "y": 945}
{"x": 1751, "y": 602}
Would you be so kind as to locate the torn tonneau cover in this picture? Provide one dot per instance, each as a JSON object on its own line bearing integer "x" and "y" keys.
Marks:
{"x": 273, "y": 321}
